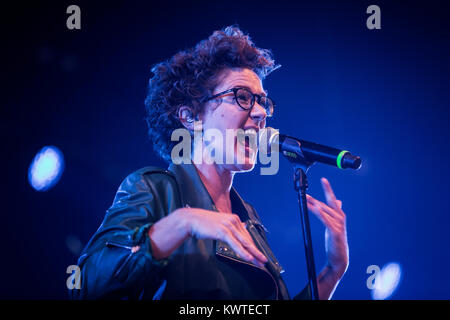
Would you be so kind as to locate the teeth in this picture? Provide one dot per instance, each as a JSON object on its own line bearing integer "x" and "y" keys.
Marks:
{"x": 250, "y": 131}
{"x": 252, "y": 137}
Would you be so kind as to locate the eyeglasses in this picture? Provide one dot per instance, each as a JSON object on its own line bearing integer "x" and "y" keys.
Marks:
{"x": 246, "y": 99}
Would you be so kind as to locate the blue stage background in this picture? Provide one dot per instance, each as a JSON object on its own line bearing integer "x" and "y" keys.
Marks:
{"x": 382, "y": 94}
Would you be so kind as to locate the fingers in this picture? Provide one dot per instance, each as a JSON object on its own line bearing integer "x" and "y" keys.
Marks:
{"x": 235, "y": 244}
{"x": 329, "y": 194}
{"x": 248, "y": 242}
{"x": 333, "y": 219}
{"x": 323, "y": 216}
{"x": 245, "y": 239}
{"x": 322, "y": 206}
{"x": 228, "y": 228}
{"x": 242, "y": 249}
{"x": 242, "y": 241}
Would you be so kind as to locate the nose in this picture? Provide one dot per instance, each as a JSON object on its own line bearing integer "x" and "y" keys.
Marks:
{"x": 258, "y": 112}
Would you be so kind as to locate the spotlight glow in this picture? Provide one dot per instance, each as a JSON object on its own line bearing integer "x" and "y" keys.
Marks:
{"x": 387, "y": 281}
{"x": 46, "y": 168}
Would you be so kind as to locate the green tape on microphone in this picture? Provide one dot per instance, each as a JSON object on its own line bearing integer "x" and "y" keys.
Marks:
{"x": 339, "y": 158}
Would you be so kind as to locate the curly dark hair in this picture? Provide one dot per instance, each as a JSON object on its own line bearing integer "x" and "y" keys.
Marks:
{"x": 191, "y": 76}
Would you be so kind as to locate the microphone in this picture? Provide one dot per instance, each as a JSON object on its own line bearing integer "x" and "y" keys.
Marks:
{"x": 296, "y": 150}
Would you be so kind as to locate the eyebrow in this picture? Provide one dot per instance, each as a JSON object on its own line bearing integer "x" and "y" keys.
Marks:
{"x": 264, "y": 93}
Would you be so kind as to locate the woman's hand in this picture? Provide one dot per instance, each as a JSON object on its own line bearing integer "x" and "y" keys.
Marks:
{"x": 334, "y": 219}
{"x": 170, "y": 232}
{"x": 227, "y": 227}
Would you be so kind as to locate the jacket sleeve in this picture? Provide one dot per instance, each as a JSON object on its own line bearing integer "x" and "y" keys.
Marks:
{"x": 117, "y": 263}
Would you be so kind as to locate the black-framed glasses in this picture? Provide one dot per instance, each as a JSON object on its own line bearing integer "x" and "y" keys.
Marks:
{"x": 246, "y": 99}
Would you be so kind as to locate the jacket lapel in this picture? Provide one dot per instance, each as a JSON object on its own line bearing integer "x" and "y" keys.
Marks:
{"x": 192, "y": 190}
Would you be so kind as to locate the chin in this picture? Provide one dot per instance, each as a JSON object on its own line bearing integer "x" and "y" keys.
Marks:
{"x": 246, "y": 162}
{"x": 244, "y": 167}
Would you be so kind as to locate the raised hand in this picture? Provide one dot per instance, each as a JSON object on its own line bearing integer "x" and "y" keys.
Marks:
{"x": 334, "y": 219}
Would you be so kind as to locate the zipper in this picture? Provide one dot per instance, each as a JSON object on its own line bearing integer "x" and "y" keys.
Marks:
{"x": 115, "y": 244}
{"x": 268, "y": 253}
{"x": 259, "y": 224}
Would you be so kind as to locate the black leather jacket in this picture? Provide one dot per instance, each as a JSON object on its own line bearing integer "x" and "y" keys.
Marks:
{"x": 117, "y": 262}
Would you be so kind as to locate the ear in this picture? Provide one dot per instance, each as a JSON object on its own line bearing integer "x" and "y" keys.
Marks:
{"x": 186, "y": 117}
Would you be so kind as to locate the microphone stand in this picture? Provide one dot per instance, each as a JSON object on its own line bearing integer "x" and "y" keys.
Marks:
{"x": 300, "y": 185}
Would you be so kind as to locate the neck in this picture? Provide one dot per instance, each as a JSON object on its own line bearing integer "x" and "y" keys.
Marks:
{"x": 218, "y": 181}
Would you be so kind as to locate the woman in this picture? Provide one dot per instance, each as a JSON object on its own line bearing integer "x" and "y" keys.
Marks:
{"x": 185, "y": 233}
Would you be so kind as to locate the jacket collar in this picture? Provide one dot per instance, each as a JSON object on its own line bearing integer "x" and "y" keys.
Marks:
{"x": 194, "y": 193}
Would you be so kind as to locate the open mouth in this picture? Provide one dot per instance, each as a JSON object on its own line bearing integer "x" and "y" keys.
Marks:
{"x": 247, "y": 139}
